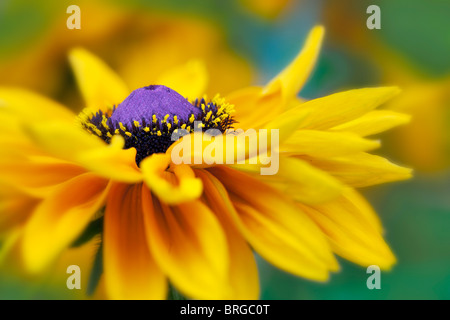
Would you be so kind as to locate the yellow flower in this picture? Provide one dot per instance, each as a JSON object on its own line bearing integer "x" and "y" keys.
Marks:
{"x": 196, "y": 225}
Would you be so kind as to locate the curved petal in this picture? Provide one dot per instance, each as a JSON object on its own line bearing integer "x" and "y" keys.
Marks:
{"x": 37, "y": 176}
{"x": 339, "y": 108}
{"x": 59, "y": 219}
{"x": 190, "y": 80}
{"x": 189, "y": 245}
{"x": 172, "y": 188}
{"x": 324, "y": 144}
{"x": 75, "y": 145}
{"x": 353, "y": 230}
{"x": 15, "y": 207}
{"x": 243, "y": 268}
{"x": 129, "y": 269}
{"x": 299, "y": 180}
{"x": 291, "y": 80}
{"x": 253, "y": 108}
{"x": 32, "y": 107}
{"x": 274, "y": 226}
{"x": 361, "y": 169}
{"x": 101, "y": 87}
{"x": 373, "y": 122}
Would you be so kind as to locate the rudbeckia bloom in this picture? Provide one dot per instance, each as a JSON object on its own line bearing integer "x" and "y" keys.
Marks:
{"x": 195, "y": 225}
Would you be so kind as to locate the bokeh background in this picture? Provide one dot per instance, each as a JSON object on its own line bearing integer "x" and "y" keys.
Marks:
{"x": 247, "y": 42}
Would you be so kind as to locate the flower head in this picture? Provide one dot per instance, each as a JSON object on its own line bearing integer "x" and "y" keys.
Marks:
{"x": 196, "y": 224}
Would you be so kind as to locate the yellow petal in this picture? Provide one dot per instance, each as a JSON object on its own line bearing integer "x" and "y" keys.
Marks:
{"x": 291, "y": 80}
{"x": 324, "y": 144}
{"x": 190, "y": 80}
{"x": 338, "y": 108}
{"x": 361, "y": 169}
{"x": 59, "y": 219}
{"x": 298, "y": 179}
{"x": 253, "y": 108}
{"x": 112, "y": 161}
{"x": 101, "y": 87}
{"x": 172, "y": 188}
{"x": 287, "y": 123}
{"x": 243, "y": 269}
{"x": 37, "y": 176}
{"x": 201, "y": 150}
{"x": 130, "y": 271}
{"x": 189, "y": 244}
{"x": 373, "y": 122}
{"x": 274, "y": 226}
{"x": 353, "y": 230}
{"x": 75, "y": 145}
{"x": 31, "y": 107}
{"x": 15, "y": 207}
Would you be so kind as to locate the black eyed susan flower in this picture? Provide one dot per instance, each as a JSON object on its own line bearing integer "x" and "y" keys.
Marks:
{"x": 194, "y": 224}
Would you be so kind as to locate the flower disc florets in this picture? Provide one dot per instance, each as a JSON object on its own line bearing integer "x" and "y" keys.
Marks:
{"x": 147, "y": 118}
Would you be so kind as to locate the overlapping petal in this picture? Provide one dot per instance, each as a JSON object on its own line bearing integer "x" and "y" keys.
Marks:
{"x": 274, "y": 226}
{"x": 175, "y": 187}
{"x": 243, "y": 271}
{"x": 190, "y": 80}
{"x": 373, "y": 122}
{"x": 59, "y": 219}
{"x": 129, "y": 269}
{"x": 29, "y": 107}
{"x": 361, "y": 169}
{"x": 353, "y": 230}
{"x": 190, "y": 246}
{"x": 101, "y": 87}
{"x": 323, "y": 144}
{"x": 339, "y": 108}
{"x": 74, "y": 145}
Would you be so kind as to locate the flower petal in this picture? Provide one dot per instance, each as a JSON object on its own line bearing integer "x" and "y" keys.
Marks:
{"x": 37, "y": 176}
{"x": 15, "y": 207}
{"x": 75, "y": 145}
{"x": 295, "y": 75}
{"x": 59, "y": 219}
{"x": 31, "y": 107}
{"x": 253, "y": 108}
{"x": 324, "y": 144}
{"x": 361, "y": 169}
{"x": 172, "y": 188}
{"x": 299, "y": 180}
{"x": 275, "y": 227}
{"x": 189, "y": 245}
{"x": 190, "y": 80}
{"x": 243, "y": 269}
{"x": 101, "y": 87}
{"x": 339, "y": 108}
{"x": 129, "y": 269}
{"x": 373, "y": 122}
{"x": 353, "y": 230}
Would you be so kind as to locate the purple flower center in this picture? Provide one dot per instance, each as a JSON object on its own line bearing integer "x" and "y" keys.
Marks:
{"x": 149, "y": 116}
{"x": 156, "y": 100}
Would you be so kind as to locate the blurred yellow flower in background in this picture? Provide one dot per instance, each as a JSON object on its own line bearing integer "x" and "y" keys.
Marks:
{"x": 139, "y": 44}
{"x": 267, "y": 9}
{"x": 195, "y": 225}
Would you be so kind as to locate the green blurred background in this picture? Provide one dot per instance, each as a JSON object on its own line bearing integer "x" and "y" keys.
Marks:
{"x": 254, "y": 41}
